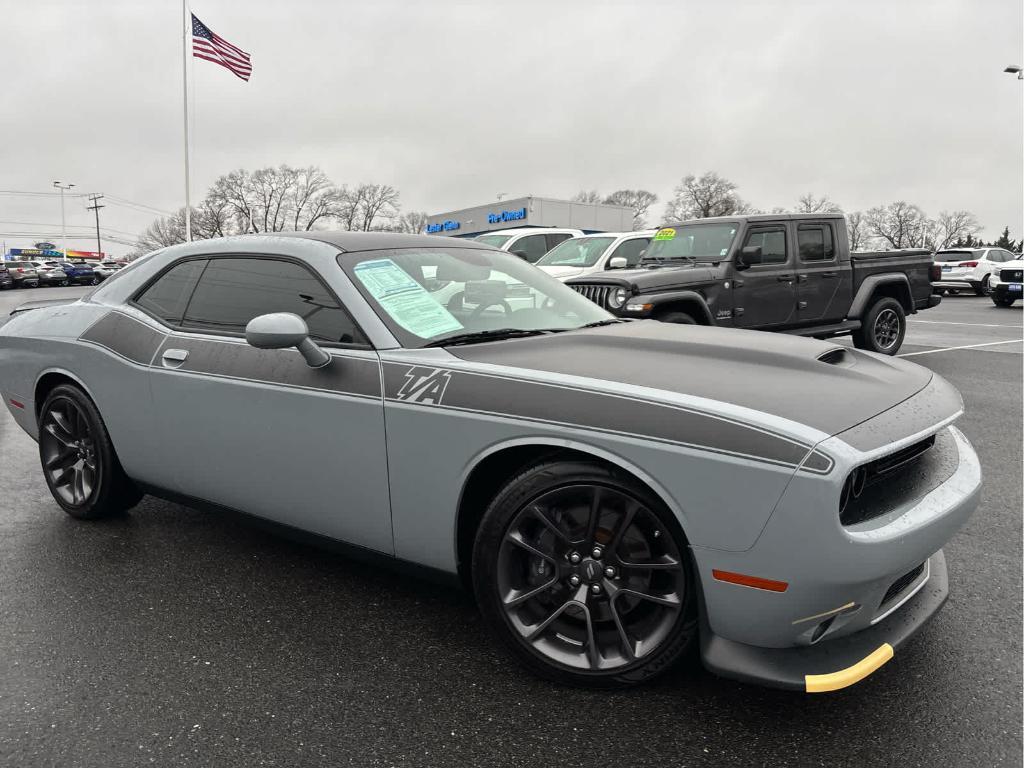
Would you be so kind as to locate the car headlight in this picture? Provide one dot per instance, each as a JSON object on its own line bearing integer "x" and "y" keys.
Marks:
{"x": 617, "y": 298}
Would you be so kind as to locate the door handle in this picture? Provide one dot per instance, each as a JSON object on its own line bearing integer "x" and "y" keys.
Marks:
{"x": 784, "y": 278}
{"x": 174, "y": 358}
{"x": 830, "y": 274}
{"x": 801, "y": 278}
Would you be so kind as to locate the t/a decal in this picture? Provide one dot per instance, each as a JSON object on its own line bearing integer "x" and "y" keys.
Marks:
{"x": 424, "y": 385}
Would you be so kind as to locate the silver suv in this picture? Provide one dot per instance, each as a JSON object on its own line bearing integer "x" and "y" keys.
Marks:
{"x": 24, "y": 274}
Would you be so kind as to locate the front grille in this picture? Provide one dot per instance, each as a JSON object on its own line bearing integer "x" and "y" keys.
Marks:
{"x": 907, "y": 474}
{"x": 901, "y": 584}
{"x": 1011, "y": 275}
{"x": 596, "y": 293}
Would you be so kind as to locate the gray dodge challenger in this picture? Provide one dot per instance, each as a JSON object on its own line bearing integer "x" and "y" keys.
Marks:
{"x": 612, "y": 491}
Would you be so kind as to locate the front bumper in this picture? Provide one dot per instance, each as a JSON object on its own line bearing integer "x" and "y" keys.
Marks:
{"x": 1004, "y": 291}
{"x": 844, "y": 585}
{"x": 836, "y": 664}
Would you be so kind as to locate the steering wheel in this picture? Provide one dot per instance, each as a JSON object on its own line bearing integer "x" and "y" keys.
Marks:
{"x": 489, "y": 303}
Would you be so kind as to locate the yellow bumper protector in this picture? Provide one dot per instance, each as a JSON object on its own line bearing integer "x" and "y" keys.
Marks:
{"x": 833, "y": 681}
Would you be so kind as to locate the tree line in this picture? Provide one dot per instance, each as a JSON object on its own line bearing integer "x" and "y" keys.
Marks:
{"x": 897, "y": 225}
{"x": 286, "y": 198}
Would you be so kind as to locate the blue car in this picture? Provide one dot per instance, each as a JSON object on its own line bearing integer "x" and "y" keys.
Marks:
{"x": 80, "y": 273}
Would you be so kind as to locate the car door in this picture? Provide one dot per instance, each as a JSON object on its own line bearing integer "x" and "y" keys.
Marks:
{"x": 765, "y": 293}
{"x": 818, "y": 276}
{"x": 259, "y": 430}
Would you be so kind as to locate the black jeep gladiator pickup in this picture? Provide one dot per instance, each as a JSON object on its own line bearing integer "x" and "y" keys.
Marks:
{"x": 792, "y": 273}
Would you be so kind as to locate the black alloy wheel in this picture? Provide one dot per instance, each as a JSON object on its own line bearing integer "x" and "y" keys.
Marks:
{"x": 583, "y": 575}
{"x": 79, "y": 464}
{"x": 883, "y": 327}
{"x": 985, "y": 288}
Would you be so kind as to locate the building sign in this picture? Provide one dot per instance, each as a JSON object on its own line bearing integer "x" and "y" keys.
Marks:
{"x": 46, "y": 246}
{"x": 15, "y": 254}
{"x": 498, "y": 218}
{"x": 442, "y": 226}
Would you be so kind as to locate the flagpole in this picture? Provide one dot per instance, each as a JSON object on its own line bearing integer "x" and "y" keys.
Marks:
{"x": 185, "y": 34}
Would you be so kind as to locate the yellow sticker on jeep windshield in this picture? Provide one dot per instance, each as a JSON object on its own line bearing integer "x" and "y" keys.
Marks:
{"x": 665, "y": 234}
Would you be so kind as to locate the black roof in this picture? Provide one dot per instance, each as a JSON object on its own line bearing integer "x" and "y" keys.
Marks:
{"x": 370, "y": 241}
{"x": 758, "y": 217}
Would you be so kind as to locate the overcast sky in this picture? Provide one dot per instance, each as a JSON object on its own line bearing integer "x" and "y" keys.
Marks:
{"x": 453, "y": 102}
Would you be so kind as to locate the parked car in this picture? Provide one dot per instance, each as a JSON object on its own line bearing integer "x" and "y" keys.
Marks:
{"x": 585, "y": 255}
{"x": 614, "y": 492}
{"x": 792, "y": 273}
{"x": 969, "y": 269}
{"x": 81, "y": 273}
{"x": 50, "y": 273}
{"x": 6, "y": 281}
{"x": 105, "y": 269}
{"x": 528, "y": 243}
{"x": 23, "y": 273}
{"x": 1006, "y": 283}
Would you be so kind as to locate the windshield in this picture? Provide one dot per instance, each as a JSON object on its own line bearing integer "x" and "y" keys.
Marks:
{"x": 954, "y": 255}
{"x": 577, "y": 252}
{"x": 496, "y": 240}
{"x": 427, "y": 294}
{"x": 697, "y": 242}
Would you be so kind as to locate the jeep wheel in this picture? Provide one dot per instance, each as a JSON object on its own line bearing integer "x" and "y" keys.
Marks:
{"x": 583, "y": 574}
{"x": 682, "y": 318}
{"x": 883, "y": 327}
{"x": 1006, "y": 301}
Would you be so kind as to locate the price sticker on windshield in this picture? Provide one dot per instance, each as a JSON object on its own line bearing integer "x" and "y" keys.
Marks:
{"x": 665, "y": 234}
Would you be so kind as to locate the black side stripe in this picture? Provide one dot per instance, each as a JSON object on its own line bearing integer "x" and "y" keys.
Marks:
{"x": 553, "y": 404}
{"x": 124, "y": 336}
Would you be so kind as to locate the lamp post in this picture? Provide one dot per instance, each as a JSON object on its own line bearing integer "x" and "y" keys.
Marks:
{"x": 63, "y": 232}
{"x": 1014, "y": 69}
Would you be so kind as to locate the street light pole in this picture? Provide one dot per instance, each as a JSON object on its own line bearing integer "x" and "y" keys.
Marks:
{"x": 63, "y": 230}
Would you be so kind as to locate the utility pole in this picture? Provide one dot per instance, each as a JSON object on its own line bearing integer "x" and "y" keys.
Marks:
{"x": 95, "y": 208}
{"x": 63, "y": 232}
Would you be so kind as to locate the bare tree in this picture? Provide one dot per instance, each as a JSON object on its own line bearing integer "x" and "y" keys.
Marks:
{"x": 586, "y": 196}
{"x": 899, "y": 225}
{"x": 700, "y": 198}
{"x": 207, "y": 221}
{"x": 640, "y": 200}
{"x": 857, "y": 230}
{"x": 810, "y": 204}
{"x": 950, "y": 227}
{"x": 313, "y": 197}
{"x": 377, "y": 200}
{"x": 412, "y": 223}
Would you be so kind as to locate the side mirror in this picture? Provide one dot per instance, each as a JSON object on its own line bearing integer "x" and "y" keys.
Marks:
{"x": 749, "y": 256}
{"x": 282, "y": 330}
{"x": 617, "y": 262}
{"x": 522, "y": 255}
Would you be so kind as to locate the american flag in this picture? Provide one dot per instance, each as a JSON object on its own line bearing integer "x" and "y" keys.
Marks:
{"x": 207, "y": 45}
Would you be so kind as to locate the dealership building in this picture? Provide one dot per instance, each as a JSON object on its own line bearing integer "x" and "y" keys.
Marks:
{"x": 531, "y": 212}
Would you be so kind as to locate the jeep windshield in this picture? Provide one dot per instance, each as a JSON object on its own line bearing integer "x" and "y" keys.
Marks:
{"x": 691, "y": 243}
{"x": 427, "y": 295}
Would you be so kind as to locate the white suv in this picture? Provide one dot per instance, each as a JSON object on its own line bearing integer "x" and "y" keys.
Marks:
{"x": 529, "y": 243}
{"x": 594, "y": 253}
{"x": 969, "y": 268}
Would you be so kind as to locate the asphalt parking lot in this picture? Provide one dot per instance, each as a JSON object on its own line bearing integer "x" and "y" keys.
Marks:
{"x": 174, "y": 637}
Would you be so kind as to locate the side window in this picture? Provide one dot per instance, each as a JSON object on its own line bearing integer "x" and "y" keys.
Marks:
{"x": 232, "y": 291}
{"x": 169, "y": 295}
{"x": 555, "y": 239}
{"x": 815, "y": 242}
{"x": 534, "y": 246}
{"x": 772, "y": 242}
{"x": 631, "y": 250}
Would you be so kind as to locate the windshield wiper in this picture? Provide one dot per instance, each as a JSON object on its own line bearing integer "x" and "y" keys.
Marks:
{"x": 599, "y": 323}
{"x": 490, "y": 335}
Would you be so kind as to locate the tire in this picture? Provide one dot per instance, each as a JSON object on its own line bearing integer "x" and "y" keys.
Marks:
{"x": 883, "y": 327}
{"x": 982, "y": 288}
{"x": 534, "y": 580}
{"x": 94, "y": 281}
{"x": 79, "y": 463}
{"x": 681, "y": 318}
{"x": 1003, "y": 302}
{"x": 64, "y": 283}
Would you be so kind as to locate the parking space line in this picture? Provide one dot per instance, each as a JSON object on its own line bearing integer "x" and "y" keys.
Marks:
{"x": 966, "y": 346}
{"x": 976, "y": 325}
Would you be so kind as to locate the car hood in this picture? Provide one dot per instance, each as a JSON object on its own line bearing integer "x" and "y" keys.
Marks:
{"x": 652, "y": 278}
{"x": 561, "y": 272}
{"x": 819, "y": 384}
